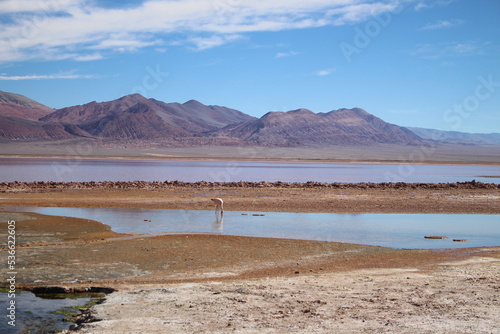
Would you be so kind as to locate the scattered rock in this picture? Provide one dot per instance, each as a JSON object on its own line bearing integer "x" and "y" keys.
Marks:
{"x": 435, "y": 237}
{"x": 42, "y": 185}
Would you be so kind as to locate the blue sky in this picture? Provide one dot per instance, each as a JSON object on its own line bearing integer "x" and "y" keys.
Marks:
{"x": 433, "y": 64}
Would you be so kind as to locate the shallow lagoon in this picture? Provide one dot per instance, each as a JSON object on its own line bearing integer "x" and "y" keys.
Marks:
{"x": 65, "y": 170}
{"x": 388, "y": 230}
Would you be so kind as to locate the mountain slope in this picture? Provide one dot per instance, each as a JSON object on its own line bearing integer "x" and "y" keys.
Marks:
{"x": 197, "y": 117}
{"x": 19, "y": 106}
{"x": 13, "y": 128}
{"x": 457, "y": 137}
{"x": 135, "y": 117}
{"x": 303, "y": 127}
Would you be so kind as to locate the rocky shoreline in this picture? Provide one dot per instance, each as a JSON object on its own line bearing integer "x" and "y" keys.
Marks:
{"x": 154, "y": 185}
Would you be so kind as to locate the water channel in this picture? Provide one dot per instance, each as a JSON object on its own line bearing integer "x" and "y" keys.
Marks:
{"x": 387, "y": 230}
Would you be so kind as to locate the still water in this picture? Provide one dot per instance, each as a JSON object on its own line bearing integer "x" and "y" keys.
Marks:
{"x": 388, "y": 230}
{"x": 65, "y": 170}
{"x": 37, "y": 315}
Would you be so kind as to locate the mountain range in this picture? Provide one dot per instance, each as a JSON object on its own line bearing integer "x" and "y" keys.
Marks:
{"x": 457, "y": 137}
{"x": 134, "y": 117}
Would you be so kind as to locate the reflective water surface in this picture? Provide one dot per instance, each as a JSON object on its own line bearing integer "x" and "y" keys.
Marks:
{"x": 37, "y": 315}
{"x": 389, "y": 230}
{"x": 60, "y": 169}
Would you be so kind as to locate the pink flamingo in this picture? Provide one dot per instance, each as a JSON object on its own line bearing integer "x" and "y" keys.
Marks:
{"x": 219, "y": 205}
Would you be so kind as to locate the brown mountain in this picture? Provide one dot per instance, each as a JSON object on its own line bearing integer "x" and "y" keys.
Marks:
{"x": 302, "y": 127}
{"x": 135, "y": 117}
{"x": 18, "y": 120}
{"x": 17, "y": 129}
{"x": 19, "y": 106}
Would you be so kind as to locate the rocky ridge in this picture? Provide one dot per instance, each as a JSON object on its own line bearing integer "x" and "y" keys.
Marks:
{"x": 136, "y": 118}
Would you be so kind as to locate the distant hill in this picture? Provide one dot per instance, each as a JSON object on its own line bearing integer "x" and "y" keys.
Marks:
{"x": 17, "y": 129}
{"x": 304, "y": 127}
{"x": 457, "y": 137}
{"x": 136, "y": 118}
{"x": 18, "y": 120}
{"x": 19, "y": 106}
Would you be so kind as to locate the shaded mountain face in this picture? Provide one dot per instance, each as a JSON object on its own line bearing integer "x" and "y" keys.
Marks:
{"x": 302, "y": 127}
{"x": 194, "y": 116}
{"x": 135, "y": 117}
{"x": 19, "y": 106}
{"x": 18, "y": 120}
{"x": 17, "y": 129}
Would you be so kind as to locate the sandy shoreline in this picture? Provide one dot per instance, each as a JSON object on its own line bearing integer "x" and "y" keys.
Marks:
{"x": 170, "y": 157}
{"x": 432, "y": 153}
{"x": 459, "y": 198}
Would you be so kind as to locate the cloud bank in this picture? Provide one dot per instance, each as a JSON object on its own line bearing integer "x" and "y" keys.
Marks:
{"x": 83, "y": 31}
{"x": 45, "y": 77}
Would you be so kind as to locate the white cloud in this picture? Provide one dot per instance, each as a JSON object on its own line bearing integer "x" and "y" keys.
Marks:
{"x": 46, "y": 77}
{"x": 31, "y": 6}
{"x": 89, "y": 57}
{"x": 436, "y": 51}
{"x": 43, "y": 29}
{"x": 326, "y": 72}
{"x": 431, "y": 4}
{"x": 361, "y": 11}
{"x": 203, "y": 43}
{"x": 286, "y": 54}
{"x": 442, "y": 24}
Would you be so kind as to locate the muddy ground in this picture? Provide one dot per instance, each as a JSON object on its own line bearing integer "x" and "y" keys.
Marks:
{"x": 61, "y": 250}
{"x": 466, "y": 197}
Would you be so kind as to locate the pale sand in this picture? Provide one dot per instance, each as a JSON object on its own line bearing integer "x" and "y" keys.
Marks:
{"x": 452, "y": 298}
{"x": 378, "y": 153}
